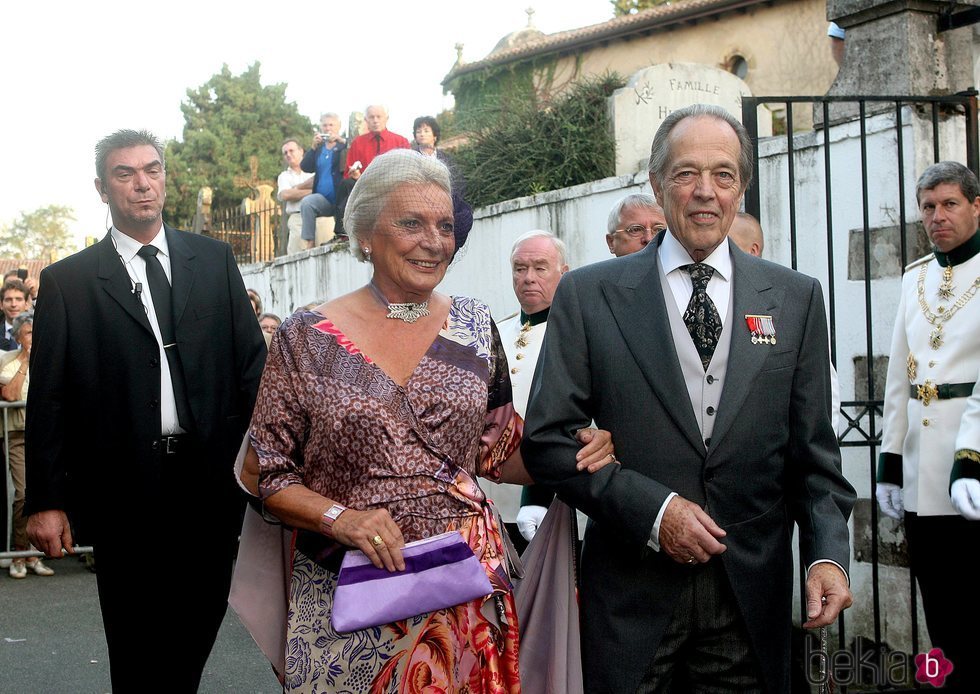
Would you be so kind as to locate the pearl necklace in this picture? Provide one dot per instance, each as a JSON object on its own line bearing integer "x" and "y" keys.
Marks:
{"x": 408, "y": 312}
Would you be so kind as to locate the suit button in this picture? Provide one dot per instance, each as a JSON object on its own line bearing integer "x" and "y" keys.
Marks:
{"x": 154, "y": 403}
{"x": 925, "y": 422}
{"x": 520, "y": 355}
{"x": 514, "y": 370}
{"x": 709, "y": 475}
{"x": 710, "y": 379}
{"x": 710, "y": 410}
{"x": 154, "y": 362}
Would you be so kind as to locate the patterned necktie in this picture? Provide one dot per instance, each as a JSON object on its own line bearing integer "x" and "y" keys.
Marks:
{"x": 163, "y": 307}
{"x": 701, "y": 316}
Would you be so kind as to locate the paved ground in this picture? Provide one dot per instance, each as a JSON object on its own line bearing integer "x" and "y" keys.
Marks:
{"x": 51, "y": 641}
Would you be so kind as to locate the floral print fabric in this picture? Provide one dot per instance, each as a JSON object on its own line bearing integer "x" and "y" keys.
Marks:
{"x": 328, "y": 418}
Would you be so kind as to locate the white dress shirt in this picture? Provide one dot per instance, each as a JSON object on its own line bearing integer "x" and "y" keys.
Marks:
{"x": 127, "y": 248}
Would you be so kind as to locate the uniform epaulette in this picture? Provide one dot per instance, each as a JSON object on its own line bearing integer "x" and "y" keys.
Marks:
{"x": 920, "y": 261}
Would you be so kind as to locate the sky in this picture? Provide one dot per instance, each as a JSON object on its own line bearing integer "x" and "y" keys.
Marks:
{"x": 72, "y": 72}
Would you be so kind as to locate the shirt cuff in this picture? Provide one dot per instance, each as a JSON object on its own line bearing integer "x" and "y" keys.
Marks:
{"x": 654, "y": 541}
{"x": 829, "y": 561}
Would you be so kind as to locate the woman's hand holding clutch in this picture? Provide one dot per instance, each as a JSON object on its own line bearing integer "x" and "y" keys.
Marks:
{"x": 374, "y": 533}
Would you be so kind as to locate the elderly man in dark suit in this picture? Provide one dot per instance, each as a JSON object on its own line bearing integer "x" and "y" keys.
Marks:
{"x": 150, "y": 358}
{"x": 709, "y": 367}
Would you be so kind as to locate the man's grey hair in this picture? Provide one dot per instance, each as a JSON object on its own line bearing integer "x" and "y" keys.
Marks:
{"x": 123, "y": 139}
{"x": 630, "y": 202}
{"x": 660, "y": 150}
{"x": 386, "y": 173}
{"x": 541, "y": 234}
{"x": 948, "y": 172}
{"x": 330, "y": 114}
{"x": 22, "y": 319}
{"x": 381, "y": 106}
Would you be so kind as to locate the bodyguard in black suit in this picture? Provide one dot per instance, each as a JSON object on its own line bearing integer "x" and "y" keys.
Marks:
{"x": 146, "y": 361}
{"x": 717, "y": 392}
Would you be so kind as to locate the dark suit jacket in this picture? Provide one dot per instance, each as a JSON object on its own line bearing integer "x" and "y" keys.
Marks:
{"x": 94, "y": 399}
{"x": 773, "y": 457}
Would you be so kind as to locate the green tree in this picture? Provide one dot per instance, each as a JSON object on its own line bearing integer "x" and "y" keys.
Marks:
{"x": 532, "y": 147}
{"x": 624, "y": 7}
{"x": 39, "y": 235}
{"x": 228, "y": 119}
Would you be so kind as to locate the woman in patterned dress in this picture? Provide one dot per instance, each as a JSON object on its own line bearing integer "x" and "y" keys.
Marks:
{"x": 376, "y": 412}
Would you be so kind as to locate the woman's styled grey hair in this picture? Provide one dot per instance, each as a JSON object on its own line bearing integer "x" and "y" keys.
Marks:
{"x": 387, "y": 172}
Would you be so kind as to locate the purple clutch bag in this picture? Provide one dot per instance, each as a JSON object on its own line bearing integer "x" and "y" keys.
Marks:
{"x": 440, "y": 572}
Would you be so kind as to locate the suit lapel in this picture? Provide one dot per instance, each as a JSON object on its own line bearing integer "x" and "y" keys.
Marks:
{"x": 117, "y": 283}
{"x": 754, "y": 294}
{"x": 181, "y": 272}
{"x": 637, "y": 294}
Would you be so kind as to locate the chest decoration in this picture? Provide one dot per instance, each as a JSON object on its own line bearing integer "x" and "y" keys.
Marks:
{"x": 912, "y": 365}
{"x": 943, "y": 313}
{"x": 521, "y": 340}
{"x": 762, "y": 329}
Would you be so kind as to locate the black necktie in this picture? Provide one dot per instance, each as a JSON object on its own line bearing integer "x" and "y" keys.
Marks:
{"x": 163, "y": 307}
{"x": 377, "y": 139}
{"x": 701, "y": 316}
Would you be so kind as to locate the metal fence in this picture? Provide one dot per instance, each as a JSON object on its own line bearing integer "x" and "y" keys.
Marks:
{"x": 931, "y": 114}
{"x": 254, "y": 236}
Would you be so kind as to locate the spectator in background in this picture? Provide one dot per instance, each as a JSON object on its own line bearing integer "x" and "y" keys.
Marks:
{"x": 256, "y": 300}
{"x": 292, "y": 186}
{"x": 426, "y": 131}
{"x": 537, "y": 261}
{"x": 377, "y": 140}
{"x": 326, "y": 161}
{"x": 15, "y": 378}
{"x": 269, "y": 322}
{"x": 747, "y": 234}
{"x": 633, "y": 222}
{"x": 13, "y": 299}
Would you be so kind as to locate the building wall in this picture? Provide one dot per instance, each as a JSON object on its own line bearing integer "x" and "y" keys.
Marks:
{"x": 785, "y": 45}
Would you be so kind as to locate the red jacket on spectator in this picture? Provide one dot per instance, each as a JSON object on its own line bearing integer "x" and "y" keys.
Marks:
{"x": 366, "y": 147}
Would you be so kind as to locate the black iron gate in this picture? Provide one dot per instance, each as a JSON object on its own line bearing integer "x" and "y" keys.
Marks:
{"x": 862, "y": 416}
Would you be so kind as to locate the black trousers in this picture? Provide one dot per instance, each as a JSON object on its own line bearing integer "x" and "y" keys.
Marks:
{"x": 943, "y": 553}
{"x": 164, "y": 572}
{"x": 706, "y": 645}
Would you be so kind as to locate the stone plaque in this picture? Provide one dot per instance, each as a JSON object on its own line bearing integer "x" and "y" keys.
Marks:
{"x": 638, "y": 109}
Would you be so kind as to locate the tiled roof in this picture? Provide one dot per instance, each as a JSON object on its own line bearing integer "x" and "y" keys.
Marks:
{"x": 34, "y": 267}
{"x": 657, "y": 18}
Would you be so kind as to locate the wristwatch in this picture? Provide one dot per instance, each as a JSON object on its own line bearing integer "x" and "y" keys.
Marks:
{"x": 329, "y": 517}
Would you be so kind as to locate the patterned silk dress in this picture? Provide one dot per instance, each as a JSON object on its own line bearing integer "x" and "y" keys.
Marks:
{"x": 328, "y": 418}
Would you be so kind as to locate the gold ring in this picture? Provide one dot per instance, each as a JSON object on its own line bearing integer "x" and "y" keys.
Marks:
{"x": 377, "y": 541}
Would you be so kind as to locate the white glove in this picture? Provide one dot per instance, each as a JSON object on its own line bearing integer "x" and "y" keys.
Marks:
{"x": 890, "y": 499}
{"x": 529, "y": 520}
{"x": 965, "y": 495}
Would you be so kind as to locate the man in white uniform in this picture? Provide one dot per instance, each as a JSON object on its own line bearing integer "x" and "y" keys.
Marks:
{"x": 929, "y": 467}
{"x": 537, "y": 261}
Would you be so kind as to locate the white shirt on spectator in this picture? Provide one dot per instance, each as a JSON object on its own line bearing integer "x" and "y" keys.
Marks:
{"x": 290, "y": 179}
